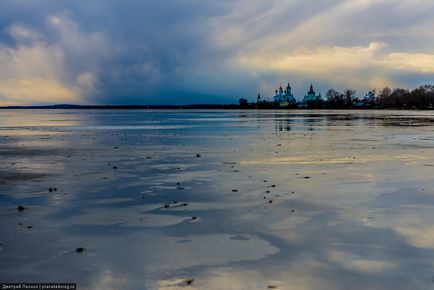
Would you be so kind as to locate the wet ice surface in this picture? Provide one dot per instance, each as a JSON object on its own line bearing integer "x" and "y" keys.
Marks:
{"x": 218, "y": 199}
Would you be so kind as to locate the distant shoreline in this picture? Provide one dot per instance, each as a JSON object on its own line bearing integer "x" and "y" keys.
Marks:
{"x": 147, "y": 107}
{"x": 185, "y": 107}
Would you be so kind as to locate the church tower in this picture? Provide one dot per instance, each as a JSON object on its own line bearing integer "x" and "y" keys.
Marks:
{"x": 311, "y": 97}
{"x": 288, "y": 89}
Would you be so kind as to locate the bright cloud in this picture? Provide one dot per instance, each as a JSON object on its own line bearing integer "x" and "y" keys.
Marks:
{"x": 325, "y": 59}
{"x": 32, "y": 74}
{"x": 204, "y": 51}
{"x": 39, "y": 71}
{"x": 356, "y": 66}
{"x": 410, "y": 62}
{"x": 322, "y": 60}
{"x": 35, "y": 91}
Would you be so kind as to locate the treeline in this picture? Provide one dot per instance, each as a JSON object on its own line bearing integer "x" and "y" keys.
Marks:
{"x": 421, "y": 98}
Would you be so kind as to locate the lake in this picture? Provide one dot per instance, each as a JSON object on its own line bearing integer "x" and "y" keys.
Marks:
{"x": 209, "y": 199}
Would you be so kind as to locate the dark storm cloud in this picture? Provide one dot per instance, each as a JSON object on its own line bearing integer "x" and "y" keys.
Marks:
{"x": 194, "y": 51}
{"x": 131, "y": 50}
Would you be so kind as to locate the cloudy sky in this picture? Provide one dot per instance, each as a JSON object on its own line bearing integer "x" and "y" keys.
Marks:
{"x": 200, "y": 51}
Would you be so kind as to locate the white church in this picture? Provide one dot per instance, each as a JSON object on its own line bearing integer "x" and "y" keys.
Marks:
{"x": 285, "y": 97}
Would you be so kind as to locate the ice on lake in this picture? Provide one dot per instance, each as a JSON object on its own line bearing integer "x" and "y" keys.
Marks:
{"x": 208, "y": 199}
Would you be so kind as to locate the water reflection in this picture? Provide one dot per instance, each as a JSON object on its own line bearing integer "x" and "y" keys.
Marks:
{"x": 220, "y": 199}
{"x": 283, "y": 122}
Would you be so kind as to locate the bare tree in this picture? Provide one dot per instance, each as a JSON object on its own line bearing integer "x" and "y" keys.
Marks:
{"x": 338, "y": 100}
{"x": 349, "y": 98}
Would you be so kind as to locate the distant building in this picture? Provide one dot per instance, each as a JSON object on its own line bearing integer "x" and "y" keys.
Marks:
{"x": 285, "y": 97}
{"x": 367, "y": 102}
{"x": 370, "y": 95}
{"x": 311, "y": 98}
{"x": 311, "y": 95}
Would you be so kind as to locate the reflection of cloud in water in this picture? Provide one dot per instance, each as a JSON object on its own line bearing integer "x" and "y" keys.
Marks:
{"x": 108, "y": 280}
{"x": 138, "y": 255}
{"x": 359, "y": 221}
{"x": 289, "y": 222}
{"x": 321, "y": 159}
{"x": 134, "y": 127}
{"x": 360, "y": 264}
{"x": 131, "y": 216}
{"x": 414, "y": 223}
{"x": 306, "y": 275}
{"x": 228, "y": 279}
{"x": 31, "y": 119}
{"x": 421, "y": 236}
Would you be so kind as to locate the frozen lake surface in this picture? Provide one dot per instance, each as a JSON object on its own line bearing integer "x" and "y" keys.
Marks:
{"x": 218, "y": 199}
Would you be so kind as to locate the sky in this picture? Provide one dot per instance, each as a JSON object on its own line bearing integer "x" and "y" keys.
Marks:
{"x": 202, "y": 51}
